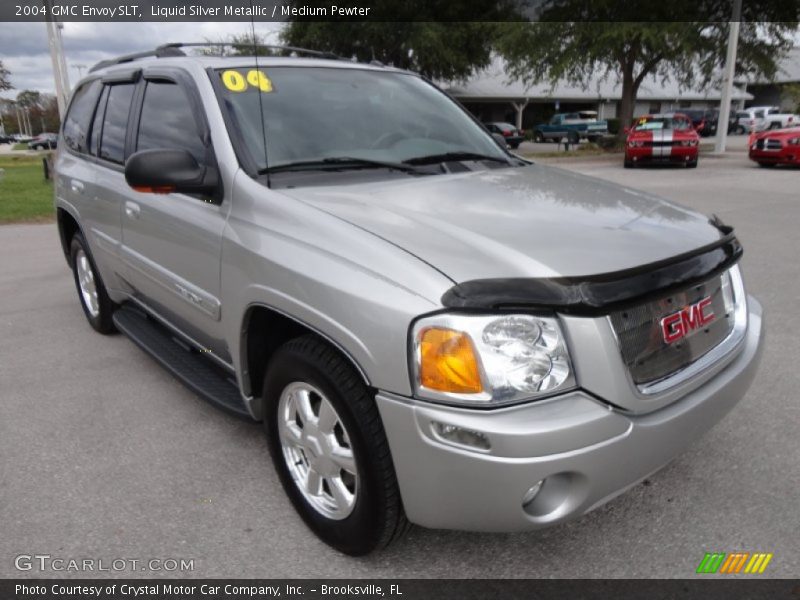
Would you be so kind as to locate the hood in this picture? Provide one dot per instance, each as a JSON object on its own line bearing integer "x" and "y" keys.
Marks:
{"x": 529, "y": 221}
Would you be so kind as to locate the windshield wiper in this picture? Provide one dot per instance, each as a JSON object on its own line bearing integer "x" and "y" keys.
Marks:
{"x": 447, "y": 156}
{"x": 342, "y": 162}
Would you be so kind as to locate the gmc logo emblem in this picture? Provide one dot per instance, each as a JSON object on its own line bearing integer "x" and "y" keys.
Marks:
{"x": 680, "y": 324}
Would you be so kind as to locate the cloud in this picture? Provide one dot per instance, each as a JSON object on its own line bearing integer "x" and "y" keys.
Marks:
{"x": 25, "y": 52}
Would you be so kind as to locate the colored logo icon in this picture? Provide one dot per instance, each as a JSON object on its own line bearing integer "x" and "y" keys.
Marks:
{"x": 735, "y": 562}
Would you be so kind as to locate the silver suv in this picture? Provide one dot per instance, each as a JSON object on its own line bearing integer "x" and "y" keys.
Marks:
{"x": 431, "y": 329}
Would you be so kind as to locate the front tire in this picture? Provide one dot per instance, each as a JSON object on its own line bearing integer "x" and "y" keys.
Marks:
{"x": 328, "y": 445}
{"x": 538, "y": 137}
{"x": 96, "y": 304}
{"x": 628, "y": 163}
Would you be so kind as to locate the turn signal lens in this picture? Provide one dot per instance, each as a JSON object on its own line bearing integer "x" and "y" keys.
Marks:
{"x": 447, "y": 362}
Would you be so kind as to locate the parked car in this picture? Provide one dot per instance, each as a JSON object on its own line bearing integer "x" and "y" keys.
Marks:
{"x": 704, "y": 120}
{"x": 513, "y": 136}
{"x": 772, "y": 148}
{"x": 762, "y": 118}
{"x": 432, "y": 329}
{"x": 6, "y": 139}
{"x": 43, "y": 141}
{"x": 572, "y": 126}
{"x": 774, "y": 118}
{"x": 667, "y": 138}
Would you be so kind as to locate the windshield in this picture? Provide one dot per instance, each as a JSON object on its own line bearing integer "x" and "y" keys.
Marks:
{"x": 662, "y": 123}
{"x": 309, "y": 114}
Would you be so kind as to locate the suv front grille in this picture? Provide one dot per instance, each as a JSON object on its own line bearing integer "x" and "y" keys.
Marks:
{"x": 639, "y": 332}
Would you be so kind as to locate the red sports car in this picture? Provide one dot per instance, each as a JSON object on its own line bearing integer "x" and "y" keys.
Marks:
{"x": 666, "y": 138}
{"x": 776, "y": 147}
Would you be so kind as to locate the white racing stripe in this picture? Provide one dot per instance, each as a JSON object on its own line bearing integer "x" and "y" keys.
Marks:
{"x": 664, "y": 138}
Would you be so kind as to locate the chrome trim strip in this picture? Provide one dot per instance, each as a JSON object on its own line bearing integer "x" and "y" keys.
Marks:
{"x": 186, "y": 291}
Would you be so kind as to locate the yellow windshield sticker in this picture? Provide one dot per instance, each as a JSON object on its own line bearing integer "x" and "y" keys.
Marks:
{"x": 235, "y": 81}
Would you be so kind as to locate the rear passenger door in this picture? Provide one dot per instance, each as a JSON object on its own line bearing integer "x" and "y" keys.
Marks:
{"x": 100, "y": 195}
{"x": 172, "y": 242}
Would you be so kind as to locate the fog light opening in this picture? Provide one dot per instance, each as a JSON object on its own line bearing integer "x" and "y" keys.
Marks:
{"x": 531, "y": 494}
{"x": 453, "y": 434}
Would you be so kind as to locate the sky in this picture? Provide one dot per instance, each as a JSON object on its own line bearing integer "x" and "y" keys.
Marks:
{"x": 25, "y": 52}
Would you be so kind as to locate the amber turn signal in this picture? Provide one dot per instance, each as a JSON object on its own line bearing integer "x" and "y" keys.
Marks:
{"x": 448, "y": 362}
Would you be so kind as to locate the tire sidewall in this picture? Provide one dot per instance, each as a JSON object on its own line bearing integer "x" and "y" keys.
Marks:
{"x": 358, "y": 533}
{"x": 101, "y": 322}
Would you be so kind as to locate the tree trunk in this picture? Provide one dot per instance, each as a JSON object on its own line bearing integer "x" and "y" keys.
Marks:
{"x": 627, "y": 99}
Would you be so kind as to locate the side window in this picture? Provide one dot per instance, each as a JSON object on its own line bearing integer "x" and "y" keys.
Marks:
{"x": 115, "y": 122}
{"x": 76, "y": 125}
{"x": 97, "y": 123}
{"x": 167, "y": 121}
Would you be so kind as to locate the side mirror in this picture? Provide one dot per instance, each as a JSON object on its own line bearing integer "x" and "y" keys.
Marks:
{"x": 501, "y": 141}
{"x": 167, "y": 171}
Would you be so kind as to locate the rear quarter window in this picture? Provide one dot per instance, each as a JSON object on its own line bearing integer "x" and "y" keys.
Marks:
{"x": 79, "y": 117}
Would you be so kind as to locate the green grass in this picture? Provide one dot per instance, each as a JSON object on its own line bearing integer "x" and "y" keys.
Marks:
{"x": 25, "y": 195}
{"x": 20, "y": 146}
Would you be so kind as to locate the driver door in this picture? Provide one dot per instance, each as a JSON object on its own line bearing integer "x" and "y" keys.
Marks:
{"x": 171, "y": 243}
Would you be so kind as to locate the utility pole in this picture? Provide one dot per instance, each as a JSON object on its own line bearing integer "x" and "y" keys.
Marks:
{"x": 57, "y": 58}
{"x": 727, "y": 81}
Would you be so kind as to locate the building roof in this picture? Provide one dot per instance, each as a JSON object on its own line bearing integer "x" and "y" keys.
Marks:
{"x": 494, "y": 84}
{"x": 789, "y": 68}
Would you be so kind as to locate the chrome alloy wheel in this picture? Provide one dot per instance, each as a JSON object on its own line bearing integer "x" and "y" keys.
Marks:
{"x": 317, "y": 450}
{"x": 87, "y": 283}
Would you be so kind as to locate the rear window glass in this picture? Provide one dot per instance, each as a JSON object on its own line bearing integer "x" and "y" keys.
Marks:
{"x": 76, "y": 125}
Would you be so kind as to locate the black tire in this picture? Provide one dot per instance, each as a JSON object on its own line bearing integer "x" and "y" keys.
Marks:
{"x": 573, "y": 137}
{"x": 691, "y": 164}
{"x": 101, "y": 321}
{"x": 740, "y": 130}
{"x": 766, "y": 165}
{"x": 538, "y": 137}
{"x": 377, "y": 517}
{"x": 628, "y": 164}
{"x": 514, "y": 146}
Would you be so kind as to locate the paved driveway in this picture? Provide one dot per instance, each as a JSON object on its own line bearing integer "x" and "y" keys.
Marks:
{"x": 104, "y": 455}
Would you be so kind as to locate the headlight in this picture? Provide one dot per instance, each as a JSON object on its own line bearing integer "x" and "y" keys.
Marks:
{"x": 689, "y": 143}
{"x": 794, "y": 141}
{"x": 489, "y": 360}
{"x": 635, "y": 144}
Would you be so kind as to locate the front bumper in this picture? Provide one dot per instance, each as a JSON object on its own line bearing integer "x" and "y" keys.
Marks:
{"x": 668, "y": 154}
{"x": 585, "y": 451}
{"x": 778, "y": 157}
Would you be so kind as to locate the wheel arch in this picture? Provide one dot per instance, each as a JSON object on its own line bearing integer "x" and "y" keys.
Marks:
{"x": 264, "y": 329}
{"x": 67, "y": 228}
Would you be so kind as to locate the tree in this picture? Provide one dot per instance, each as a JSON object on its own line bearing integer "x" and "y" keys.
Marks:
{"x": 407, "y": 35}
{"x": 689, "y": 52}
{"x": 5, "y": 81}
{"x": 245, "y": 44}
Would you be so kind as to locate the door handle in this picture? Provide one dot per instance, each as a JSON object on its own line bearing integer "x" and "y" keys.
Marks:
{"x": 132, "y": 210}
{"x": 76, "y": 186}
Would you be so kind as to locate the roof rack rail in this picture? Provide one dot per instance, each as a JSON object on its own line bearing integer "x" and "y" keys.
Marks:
{"x": 295, "y": 49}
{"x": 174, "y": 49}
{"x": 160, "y": 52}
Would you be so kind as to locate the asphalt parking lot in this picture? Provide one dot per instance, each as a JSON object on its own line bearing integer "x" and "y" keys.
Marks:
{"x": 104, "y": 455}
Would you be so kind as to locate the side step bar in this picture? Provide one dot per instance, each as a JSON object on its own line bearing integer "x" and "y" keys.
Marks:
{"x": 199, "y": 374}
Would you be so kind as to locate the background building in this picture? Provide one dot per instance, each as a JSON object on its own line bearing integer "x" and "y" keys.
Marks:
{"x": 784, "y": 91}
{"x": 492, "y": 96}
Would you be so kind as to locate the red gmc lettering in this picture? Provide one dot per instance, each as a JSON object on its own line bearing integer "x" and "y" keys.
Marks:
{"x": 679, "y": 324}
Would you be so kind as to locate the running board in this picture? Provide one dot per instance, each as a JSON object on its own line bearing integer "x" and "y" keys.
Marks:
{"x": 199, "y": 374}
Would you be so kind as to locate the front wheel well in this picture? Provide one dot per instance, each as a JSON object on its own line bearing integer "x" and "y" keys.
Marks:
{"x": 264, "y": 330}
